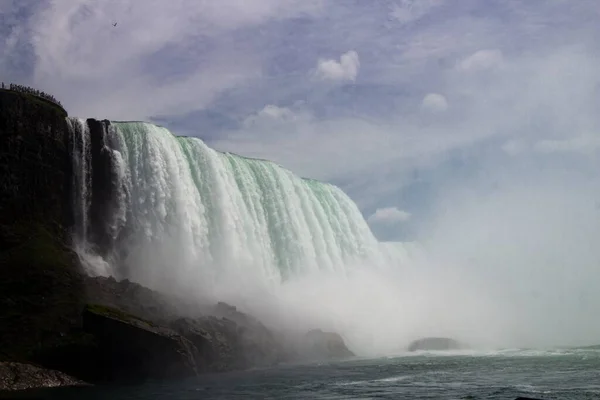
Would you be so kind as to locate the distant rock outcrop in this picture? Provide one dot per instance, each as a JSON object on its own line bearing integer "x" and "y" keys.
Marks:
{"x": 326, "y": 345}
{"x": 19, "y": 376}
{"x": 435, "y": 343}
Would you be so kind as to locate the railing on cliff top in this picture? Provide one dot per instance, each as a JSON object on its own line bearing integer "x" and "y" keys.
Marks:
{"x": 33, "y": 92}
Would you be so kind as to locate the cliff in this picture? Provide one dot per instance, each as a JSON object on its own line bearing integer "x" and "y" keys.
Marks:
{"x": 35, "y": 163}
{"x": 40, "y": 285}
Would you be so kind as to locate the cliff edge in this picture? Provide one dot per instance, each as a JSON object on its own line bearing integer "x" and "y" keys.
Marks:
{"x": 40, "y": 285}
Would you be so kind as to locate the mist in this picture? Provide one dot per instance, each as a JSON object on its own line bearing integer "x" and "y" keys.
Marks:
{"x": 508, "y": 242}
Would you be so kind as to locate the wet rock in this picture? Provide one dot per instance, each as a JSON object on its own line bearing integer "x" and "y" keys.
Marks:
{"x": 130, "y": 348}
{"x": 19, "y": 376}
{"x": 435, "y": 343}
{"x": 326, "y": 345}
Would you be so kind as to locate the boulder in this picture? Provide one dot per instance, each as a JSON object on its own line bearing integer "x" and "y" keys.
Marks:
{"x": 225, "y": 344}
{"x": 257, "y": 345}
{"x": 326, "y": 345}
{"x": 20, "y": 376}
{"x": 435, "y": 343}
{"x": 213, "y": 339}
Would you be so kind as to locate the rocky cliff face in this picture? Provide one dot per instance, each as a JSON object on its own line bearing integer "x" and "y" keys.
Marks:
{"x": 35, "y": 167}
{"x": 40, "y": 287}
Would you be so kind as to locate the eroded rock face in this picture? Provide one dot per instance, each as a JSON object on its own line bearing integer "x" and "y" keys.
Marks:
{"x": 116, "y": 346}
{"x": 215, "y": 342}
{"x": 40, "y": 285}
{"x": 326, "y": 345}
{"x": 225, "y": 344}
{"x": 131, "y": 348}
{"x": 435, "y": 343}
{"x": 19, "y": 376}
{"x": 225, "y": 338}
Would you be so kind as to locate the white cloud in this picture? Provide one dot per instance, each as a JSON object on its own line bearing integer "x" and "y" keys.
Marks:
{"x": 481, "y": 60}
{"x": 272, "y": 114}
{"x": 388, "y": 215}
{"x": 434, "y": 102}
{"x": 344, "y": 70}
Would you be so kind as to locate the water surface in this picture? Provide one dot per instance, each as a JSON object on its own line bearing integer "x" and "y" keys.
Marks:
{"x": 556, "y": 374}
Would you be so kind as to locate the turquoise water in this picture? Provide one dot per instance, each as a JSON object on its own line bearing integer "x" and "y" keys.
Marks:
{"x": 560, "y": 374}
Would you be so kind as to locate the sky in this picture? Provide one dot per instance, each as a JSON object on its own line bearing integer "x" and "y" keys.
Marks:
{"x": 404, "y": 104}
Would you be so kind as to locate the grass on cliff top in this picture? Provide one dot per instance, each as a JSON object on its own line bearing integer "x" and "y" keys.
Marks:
{"x": 116, "y": 313}
{"x": 36, "y": 100}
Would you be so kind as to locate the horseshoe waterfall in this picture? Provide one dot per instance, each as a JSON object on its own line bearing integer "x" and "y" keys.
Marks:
{"x": 172, "y": 213}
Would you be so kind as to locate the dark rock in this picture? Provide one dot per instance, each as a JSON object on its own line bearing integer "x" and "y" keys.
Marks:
{"x": 116, "y": 346}
{"x": 41, "y": 293}
{"x": 225, "y": 338}
{"x": 138, "y": 300}
{"x": 41, "y": 290}
{"x": 130, "y": 348}
{"x": 435, "y": 343}
{"x": 259, "y": 345}
{"x": 35, "y": 163}
{"x": 18, "y": 376}
{"x": 326, "y": 345}
{"x": 225, "y": 344}
{"x": 214, "y": 340}
{"x": 104, "y": 188}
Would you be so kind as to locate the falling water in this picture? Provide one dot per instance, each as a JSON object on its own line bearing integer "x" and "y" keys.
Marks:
{"x": 189, "y": 215}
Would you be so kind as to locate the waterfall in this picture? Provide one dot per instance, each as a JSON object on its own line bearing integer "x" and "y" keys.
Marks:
{"x": 184, "y": 215}
{"x": 81, "y": 152}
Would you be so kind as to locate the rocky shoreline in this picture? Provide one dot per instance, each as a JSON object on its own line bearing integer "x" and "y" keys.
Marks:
{"x": 129, "y": 333}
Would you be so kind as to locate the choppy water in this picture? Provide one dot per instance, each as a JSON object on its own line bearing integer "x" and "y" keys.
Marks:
{"x": 558, "y": 374}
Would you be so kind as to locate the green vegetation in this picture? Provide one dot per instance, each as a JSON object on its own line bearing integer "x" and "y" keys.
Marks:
{"x": 115, "y": 313}
{"x": 36, "y": 100}
{"x": 32, "y": 92}
{"x": 41, "y": 290}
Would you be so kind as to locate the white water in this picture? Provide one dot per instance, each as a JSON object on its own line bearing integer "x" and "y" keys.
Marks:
{"x": 200, "y": 220}
{"x": 82, "y": 197}
{"x": 82, "y": 177}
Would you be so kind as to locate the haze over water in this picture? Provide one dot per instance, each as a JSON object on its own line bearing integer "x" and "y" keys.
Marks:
{"x": 549, "y": 375}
